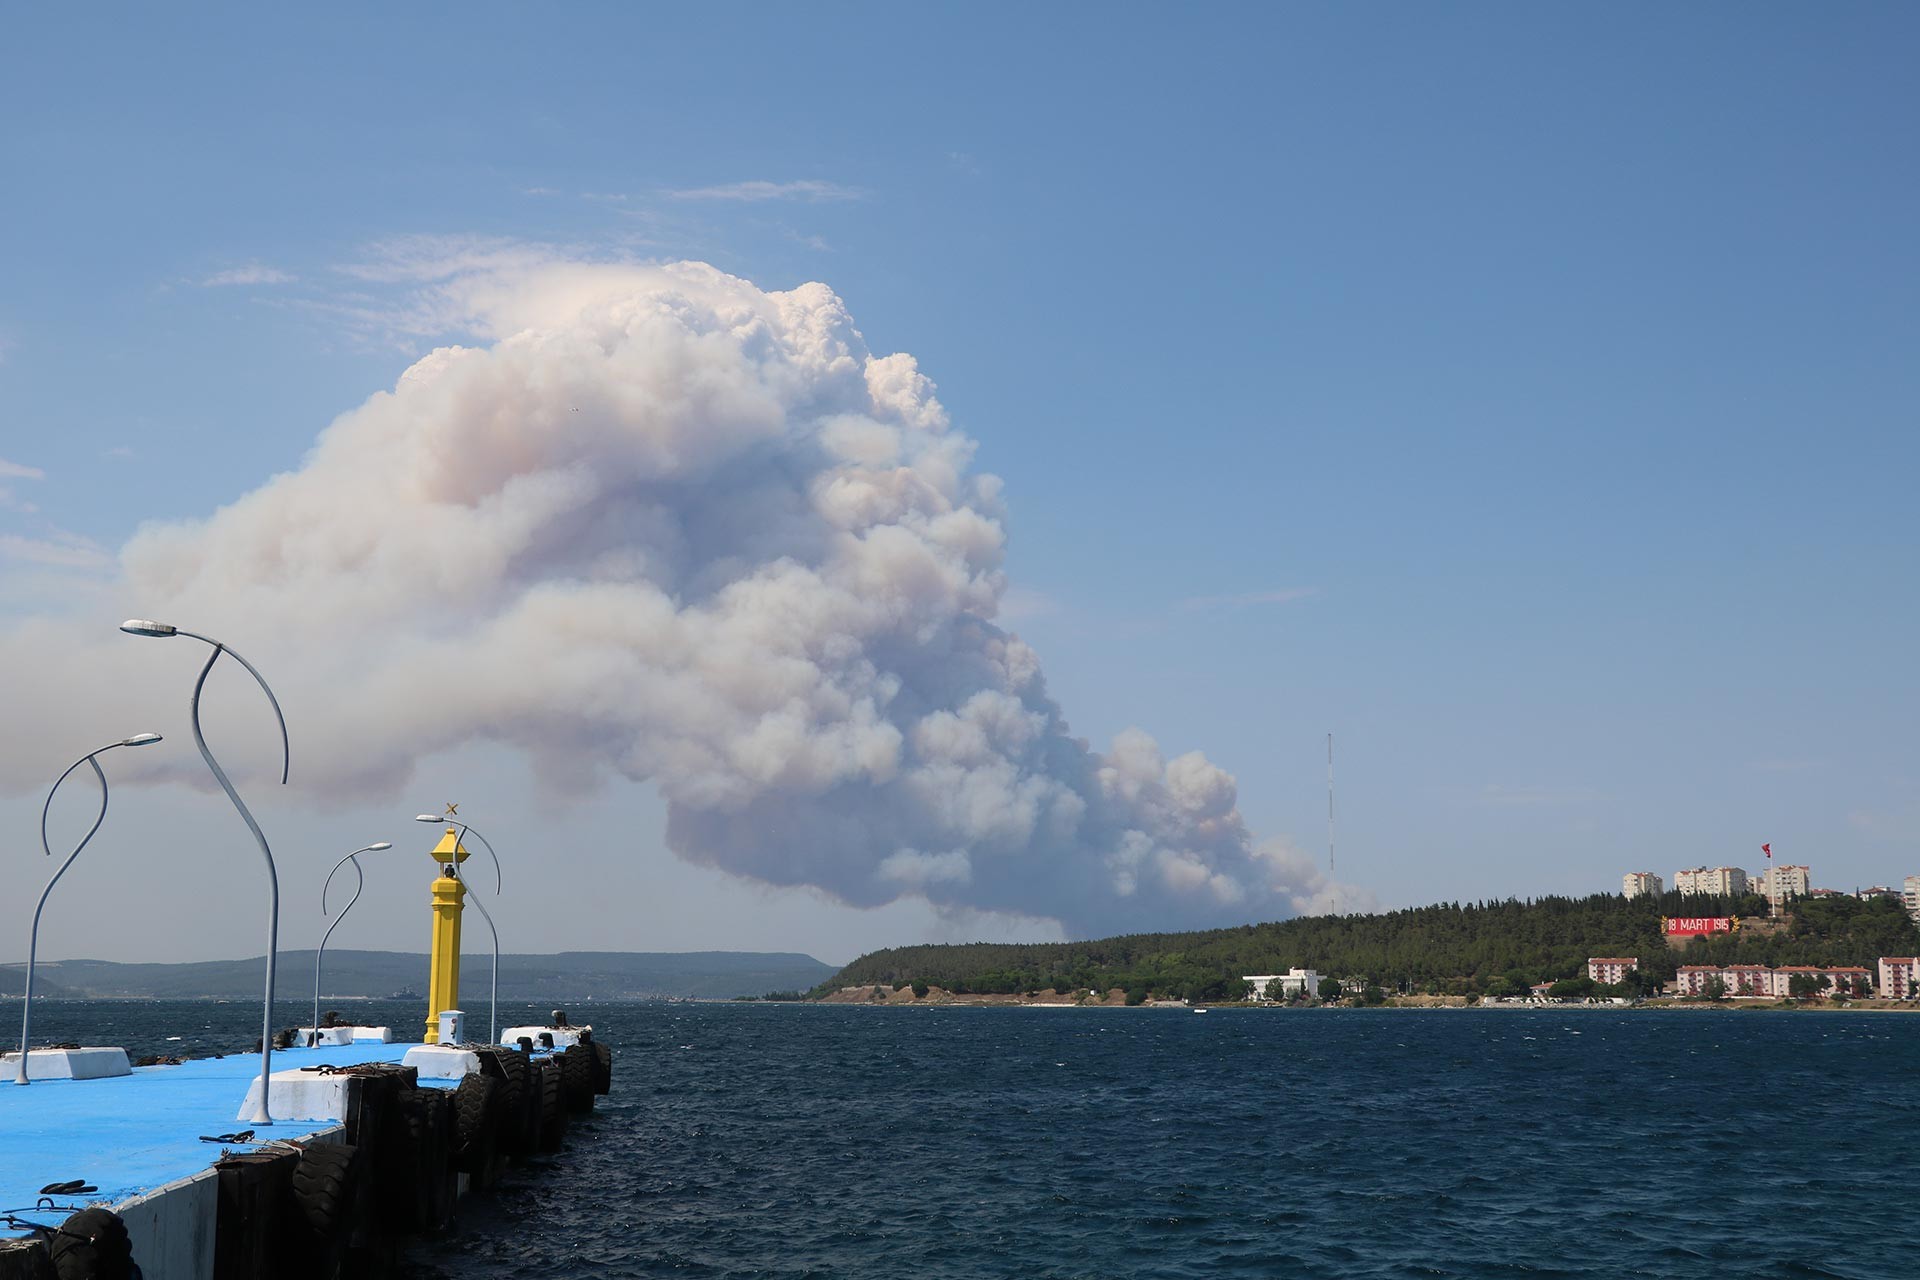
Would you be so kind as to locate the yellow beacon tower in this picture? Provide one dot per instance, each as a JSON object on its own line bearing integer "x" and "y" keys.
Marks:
{"x": 443, "y": 966}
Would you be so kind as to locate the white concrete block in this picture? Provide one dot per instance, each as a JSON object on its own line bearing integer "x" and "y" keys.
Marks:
{"x": 378, "y": 1035}
{"x": 300, "y": 1095}
{"x": 441, "y": 1062}
{"x": 67, "y": 1064}
{"x": 562, "y": 1036}
{"x": 328, "y": 1036}
{"x": 171, "y": 1227}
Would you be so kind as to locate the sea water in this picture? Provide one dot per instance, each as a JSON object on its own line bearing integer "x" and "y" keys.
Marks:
{"x": 781, "y": 1141}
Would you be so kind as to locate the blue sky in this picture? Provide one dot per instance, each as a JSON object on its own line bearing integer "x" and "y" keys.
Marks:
{"x": 1525, "y": 395}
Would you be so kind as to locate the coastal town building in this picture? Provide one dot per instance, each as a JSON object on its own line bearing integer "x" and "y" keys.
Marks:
{"x": 1851, "y": 981}
{"x": 1727, "y": 882}
{"x": 1637, "y": 884}
{"x": 1294, "y": 982}
{"x": 1911, "y": 894}
{"x": 1871, "y": 892}
{"x": 1899, "y": 977}
{"x": 1759, "y": 982}
{"x": 1785, "y": 882}
{"x": 1611, "y": 970}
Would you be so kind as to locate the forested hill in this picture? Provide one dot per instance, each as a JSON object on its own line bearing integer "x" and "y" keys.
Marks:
{"x": 569, "y": 975}
{"x": 1451, "y": 948}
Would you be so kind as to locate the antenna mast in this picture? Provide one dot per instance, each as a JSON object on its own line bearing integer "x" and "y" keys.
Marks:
{"x": 1332, "y": 885}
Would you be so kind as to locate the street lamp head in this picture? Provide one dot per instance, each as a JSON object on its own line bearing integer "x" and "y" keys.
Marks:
{"x": 140, "y": 740}
{"x": 384, "y": 844}
{"x": 148, "y": 627}
{"x": 426, "y": 817}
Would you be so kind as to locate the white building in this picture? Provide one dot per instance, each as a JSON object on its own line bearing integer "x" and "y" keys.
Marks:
{"x": 1611, "y": 970}
{"x": 1877, "y": 891}
{"x": 1899, "y": 977}
{"x": 1727, "y": 882}
{"x": 1786, "y": 881}
{"x": 1636, "y": 884}
{"x": 1911, "y": 895}
{"x": 1293, "y": 982}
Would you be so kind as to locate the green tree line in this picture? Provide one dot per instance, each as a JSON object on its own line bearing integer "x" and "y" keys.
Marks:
{"x": 1449, "y": 948}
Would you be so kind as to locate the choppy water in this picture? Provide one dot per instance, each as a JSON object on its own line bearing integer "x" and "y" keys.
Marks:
{"x": 778, "y": 1141}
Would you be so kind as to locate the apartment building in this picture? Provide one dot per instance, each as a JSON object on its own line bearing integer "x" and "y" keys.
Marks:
{"x": 1728, "y": 882}
{"x": 1611, "y": 970}
{"x": 1786, "y": 881}
{"x": 1637, "y": 884}
{"x": 1760, "y": 982}
{"x": 1900, "y": 977}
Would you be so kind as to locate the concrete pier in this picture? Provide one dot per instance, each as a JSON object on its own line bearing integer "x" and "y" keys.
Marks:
{"x": 138, "y": 1139}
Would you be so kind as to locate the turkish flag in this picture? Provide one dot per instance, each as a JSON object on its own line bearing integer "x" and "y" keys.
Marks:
{"x": 1767, "y": 849}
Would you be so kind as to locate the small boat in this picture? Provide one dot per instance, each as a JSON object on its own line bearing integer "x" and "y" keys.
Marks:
{"x": 1199, "y": 1010}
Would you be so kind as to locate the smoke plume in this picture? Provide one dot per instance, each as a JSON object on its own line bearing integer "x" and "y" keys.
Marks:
{"x": 667, "y": 526}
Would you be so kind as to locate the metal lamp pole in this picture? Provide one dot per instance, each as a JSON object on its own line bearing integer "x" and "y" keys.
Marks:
{"x": 144, "y": 627}
{"x": 360, "y": 882}
{"x": 493, "y": 1014}
{"x": 33, "y": 938}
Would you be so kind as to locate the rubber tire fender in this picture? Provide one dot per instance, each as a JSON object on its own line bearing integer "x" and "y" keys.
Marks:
{"x": 602, "y": 1068}
{"x": 475, "y": 1103}
{"x": 25, "y": 1257}
{"x": 323, "y": 1185}
{"x": 511, "y": 1071}
{"x": 576, "y": 1074}
{"x": 553, "y": 1105}
{"x": 93, "y": 1245}
{"x": 515, "y": 1073}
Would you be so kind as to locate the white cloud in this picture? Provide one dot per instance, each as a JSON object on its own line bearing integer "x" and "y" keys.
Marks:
{"x": 756, "y": 191}
{"x": 20, "y": 471}
{"x": 661, "y": 524}
{"x": 910, "y": 867}
{"x": 421, "y": 259}
{"x": 251, "y": 274}
{"x": 1248, "y": 599}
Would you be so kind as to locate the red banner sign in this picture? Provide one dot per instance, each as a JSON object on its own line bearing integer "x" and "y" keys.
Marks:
{"x": 1693, "y": 926}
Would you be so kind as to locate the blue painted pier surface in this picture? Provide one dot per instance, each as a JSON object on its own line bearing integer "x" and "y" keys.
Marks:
{"x": 128, "y": 1135}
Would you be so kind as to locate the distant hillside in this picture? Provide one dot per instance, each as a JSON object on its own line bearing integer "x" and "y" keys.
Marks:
{"x": 570, "y": 975}
{"x": 1449, "y": 949}
{"x": 13, "y": 980}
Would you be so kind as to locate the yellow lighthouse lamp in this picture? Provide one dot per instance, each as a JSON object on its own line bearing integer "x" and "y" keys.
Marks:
{"x": 448, "y": 897}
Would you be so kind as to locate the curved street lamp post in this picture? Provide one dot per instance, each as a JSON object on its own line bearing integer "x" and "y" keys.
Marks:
{"x": 33, "y": 938}
{"x": 493, "y": 1014}
{"x": 360, "y": 882}
{"x": 145, "y": 627}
